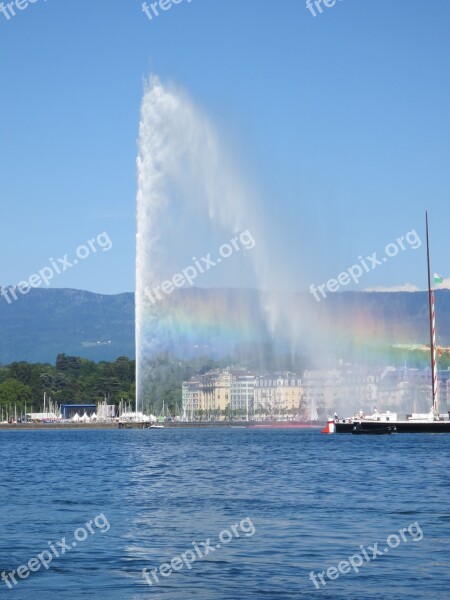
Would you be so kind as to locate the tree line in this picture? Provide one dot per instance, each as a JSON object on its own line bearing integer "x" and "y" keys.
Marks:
{"x": 75, "y": 380}
{"x": 72, "y": 380}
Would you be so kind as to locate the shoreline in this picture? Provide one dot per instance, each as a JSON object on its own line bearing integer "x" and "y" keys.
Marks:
{"x": 91, "y": 426}
{"x": 143, "y": 425}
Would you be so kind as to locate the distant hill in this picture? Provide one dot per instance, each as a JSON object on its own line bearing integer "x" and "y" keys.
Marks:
{"x": 47, "y": 322}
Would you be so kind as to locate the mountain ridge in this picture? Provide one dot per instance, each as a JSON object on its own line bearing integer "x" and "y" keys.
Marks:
{"x": 47, "y": 322}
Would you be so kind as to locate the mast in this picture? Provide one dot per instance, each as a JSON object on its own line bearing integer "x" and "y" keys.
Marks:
{"x": 435, "y": 403}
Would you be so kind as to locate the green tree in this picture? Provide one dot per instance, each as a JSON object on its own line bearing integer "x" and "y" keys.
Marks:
{"x": 13, "y": 392}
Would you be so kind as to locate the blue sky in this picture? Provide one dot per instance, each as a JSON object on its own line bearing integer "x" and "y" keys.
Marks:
{"x": 341, "y": 121}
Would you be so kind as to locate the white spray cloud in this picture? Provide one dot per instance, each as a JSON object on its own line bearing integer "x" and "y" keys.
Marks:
{"x": 183, "y": 165}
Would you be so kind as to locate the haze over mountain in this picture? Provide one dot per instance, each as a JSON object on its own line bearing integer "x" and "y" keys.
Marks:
{"x": 221, "y": 322}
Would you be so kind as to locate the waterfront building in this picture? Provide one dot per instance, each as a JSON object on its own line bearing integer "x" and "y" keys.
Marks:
{"x": 323, "y": 390}
{"x": 218, "y": 394}
{"x": 236, "y": 393}
{"x": 191, "y": 399}
{"x": 278, "y": 395}
{"x": 215, "y": 391}
{"x": 242, "y": 393}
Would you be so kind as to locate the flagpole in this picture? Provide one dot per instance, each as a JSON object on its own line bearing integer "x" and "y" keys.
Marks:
{"x": 432, "y": 331}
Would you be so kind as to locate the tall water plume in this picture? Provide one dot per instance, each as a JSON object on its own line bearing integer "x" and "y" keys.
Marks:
{"x": 191, "y": 198}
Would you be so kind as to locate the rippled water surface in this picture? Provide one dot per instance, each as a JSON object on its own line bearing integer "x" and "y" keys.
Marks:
{"x": 305, "y": 501}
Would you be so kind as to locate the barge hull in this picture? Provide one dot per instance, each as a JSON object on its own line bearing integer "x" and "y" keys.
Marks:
{"x": 401, "y": 426}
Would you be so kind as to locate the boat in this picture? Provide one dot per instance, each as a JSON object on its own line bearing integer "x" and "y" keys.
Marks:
{"x": 431, "y": 422}
{"x": 156, "y": 426}
{"x": 411, "y": 424}
{"x": 360, "y": 430}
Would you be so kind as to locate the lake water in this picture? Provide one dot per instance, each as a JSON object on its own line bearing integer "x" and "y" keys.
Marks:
{"x": 280, "y": 504}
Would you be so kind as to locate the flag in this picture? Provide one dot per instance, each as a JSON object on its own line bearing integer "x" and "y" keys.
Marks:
{"x": 438, "y": 278}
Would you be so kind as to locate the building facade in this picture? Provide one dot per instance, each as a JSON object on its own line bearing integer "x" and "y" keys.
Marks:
{"x": 347, "y": 389}
{"x": 218, "y": 394}
{"x": 242, "y": 393}
{"x": 278, "y": 394}
{"x": 190, "y": 393}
